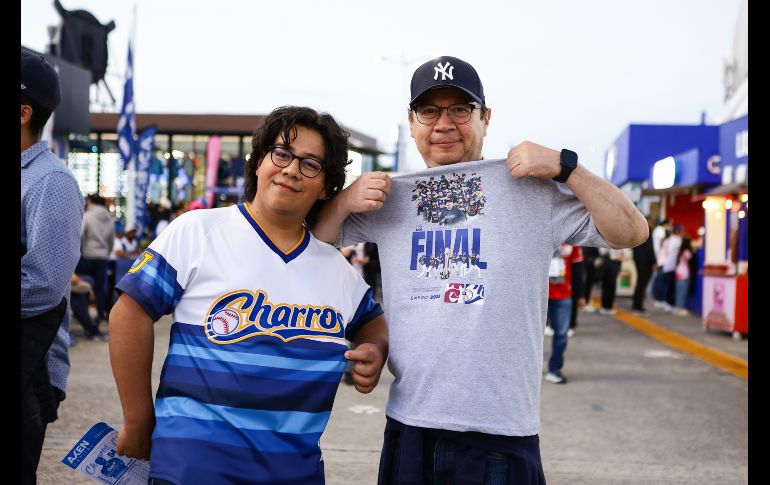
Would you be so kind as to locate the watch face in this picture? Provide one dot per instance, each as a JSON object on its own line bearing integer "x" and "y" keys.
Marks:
{"x": 569, "y": 158}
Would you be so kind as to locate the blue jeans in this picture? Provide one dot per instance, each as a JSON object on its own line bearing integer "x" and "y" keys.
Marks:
{"x": 559, "y": 313}
{"x": 681, "y": 292}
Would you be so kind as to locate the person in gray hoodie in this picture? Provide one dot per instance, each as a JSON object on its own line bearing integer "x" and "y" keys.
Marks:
{"x": 96, "y": 240}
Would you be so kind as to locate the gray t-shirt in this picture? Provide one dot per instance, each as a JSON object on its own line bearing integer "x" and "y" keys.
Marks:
{"x": 466, "y": 301}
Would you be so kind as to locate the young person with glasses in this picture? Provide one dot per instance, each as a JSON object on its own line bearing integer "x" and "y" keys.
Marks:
{"x": 262, "y": 316}
{"x": 467, "y": 350}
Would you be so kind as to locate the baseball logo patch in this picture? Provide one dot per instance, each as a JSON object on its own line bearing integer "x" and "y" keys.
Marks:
{"x": 225, "y": 322}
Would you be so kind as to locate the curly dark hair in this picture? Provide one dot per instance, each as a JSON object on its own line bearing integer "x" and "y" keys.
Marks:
{"x": 284, "y": 121}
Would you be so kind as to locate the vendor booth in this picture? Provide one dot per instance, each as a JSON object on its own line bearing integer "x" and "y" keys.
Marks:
{"x": 664, "y": 169}
{"x": 726, "y": 212}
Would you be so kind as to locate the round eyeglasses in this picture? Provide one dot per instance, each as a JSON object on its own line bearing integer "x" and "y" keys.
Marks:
{"x": 458, "y": 113}
{"x": 281, "y": 157}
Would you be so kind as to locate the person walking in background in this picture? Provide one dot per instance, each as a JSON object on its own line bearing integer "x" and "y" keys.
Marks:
{"x": 659, "y": 284}
{"x": 82, "y": 290}
{"x": 644, "y": 260}
{"x": 683, "y": 276}
{"x": 96, "y": 241}
{"x": 578, "y": 281}
{"x": 592, "y": 263}
{"x": 51, "y": 216}
{"x": 577, "y": 290}
{"x": 612, "y": 259}
{"x": 127, "y": 245}
{"x": 671, "y": 258}
{"x": 559, "y": 307}
{"x": 659, "y": 233}
{"x": 660, "y": 236}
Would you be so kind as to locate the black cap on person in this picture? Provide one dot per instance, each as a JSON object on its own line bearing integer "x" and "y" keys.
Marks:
{"x": 446, "y": 71}
{"x": 39, "y": 80}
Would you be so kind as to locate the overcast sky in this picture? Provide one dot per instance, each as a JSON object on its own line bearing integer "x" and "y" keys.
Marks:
{"x": 562, "y": 73}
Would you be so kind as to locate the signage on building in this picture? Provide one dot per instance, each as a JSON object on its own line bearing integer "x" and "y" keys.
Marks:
{"x": 714, "y": 164}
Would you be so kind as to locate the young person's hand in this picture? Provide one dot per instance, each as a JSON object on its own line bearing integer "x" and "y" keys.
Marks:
{"x": 369, "y": 360}
{"x": 134, "y": 439}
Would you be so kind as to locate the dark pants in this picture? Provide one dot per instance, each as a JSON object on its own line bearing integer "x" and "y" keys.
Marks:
{"x": 609, "y": 282}
{"x": 669, "y": 283}
{"x": 658, "y": 286}
{"x": 96, "y": 269}
{"x": 33, "y": 426}
{"x": 643, "y": 275}
{"x": 412, "y": 457}
{"x": 442, "y": 454}
{"x": 591, "y": 276}
{"x": 79, "y": 305}
{"x": 32, "y": 436}
{"x": 573, "y": 312}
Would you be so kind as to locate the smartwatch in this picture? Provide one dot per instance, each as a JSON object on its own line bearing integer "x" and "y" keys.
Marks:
{"x": 568, "y": 160}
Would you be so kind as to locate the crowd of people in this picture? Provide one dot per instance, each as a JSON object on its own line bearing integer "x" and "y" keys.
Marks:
{"x": 107, "y": 249}
{"x": 449, "y": 200}
{"x": 576, "y": 271}
{"x": 663, "y": 264}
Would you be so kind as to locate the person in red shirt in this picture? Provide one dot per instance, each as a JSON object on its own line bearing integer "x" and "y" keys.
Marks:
{"x": 560, "y": 306}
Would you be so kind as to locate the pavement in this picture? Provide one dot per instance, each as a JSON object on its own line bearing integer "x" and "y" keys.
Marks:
{"x": 636, "y": 410}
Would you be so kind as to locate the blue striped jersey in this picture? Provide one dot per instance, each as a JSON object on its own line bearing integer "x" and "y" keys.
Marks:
{"x": 256, "y": 349}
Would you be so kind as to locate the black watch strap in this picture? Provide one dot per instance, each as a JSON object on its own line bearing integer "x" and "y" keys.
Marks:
{"x": 568, "y": 160}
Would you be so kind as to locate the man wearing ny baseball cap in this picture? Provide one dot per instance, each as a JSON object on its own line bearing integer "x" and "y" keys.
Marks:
{"x": 467, "y": 352}
{"x": 51, "y": 215}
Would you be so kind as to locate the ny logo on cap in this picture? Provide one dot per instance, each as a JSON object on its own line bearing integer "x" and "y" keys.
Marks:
{"x": 443, "y": 70}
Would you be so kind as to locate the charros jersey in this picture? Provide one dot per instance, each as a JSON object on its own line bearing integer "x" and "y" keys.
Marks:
{"x": 256, "y": 350}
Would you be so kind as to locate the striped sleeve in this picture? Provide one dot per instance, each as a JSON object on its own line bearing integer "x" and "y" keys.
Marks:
{"x": 152, "y": 282}
{"x": 159, "y": 275}
{"x": 368, "y": 310}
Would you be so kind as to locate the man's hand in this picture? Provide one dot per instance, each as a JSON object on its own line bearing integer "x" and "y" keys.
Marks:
{"x": 367, "y": 193}
{"x": 134, "y": 439}
{"x": 529, "y": 159}
{"x": 369, "y": 360}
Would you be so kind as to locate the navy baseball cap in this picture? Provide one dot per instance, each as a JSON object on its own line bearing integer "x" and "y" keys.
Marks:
{"x": 39, "y": 80}
{"x": 446, "y": 71}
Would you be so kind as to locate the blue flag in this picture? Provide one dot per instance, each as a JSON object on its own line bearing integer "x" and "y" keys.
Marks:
{"x": 144, "y": 149}
{"x": 127, "y": 121}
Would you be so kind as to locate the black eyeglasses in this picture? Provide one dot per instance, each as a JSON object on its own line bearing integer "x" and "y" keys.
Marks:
{"x": 281, "y": 157}
{"x": 458, "y": 113}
